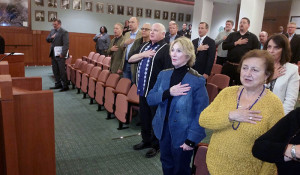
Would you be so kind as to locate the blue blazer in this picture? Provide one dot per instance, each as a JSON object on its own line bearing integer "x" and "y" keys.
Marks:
{"x": 184, "y": 110}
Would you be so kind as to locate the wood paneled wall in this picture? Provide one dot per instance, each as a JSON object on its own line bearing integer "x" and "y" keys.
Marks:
{"x": 276, "y": 14}
{"x": 35, "y": 48}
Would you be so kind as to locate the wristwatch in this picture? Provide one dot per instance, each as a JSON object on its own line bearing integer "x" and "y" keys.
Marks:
{"x": 293, "y": 152}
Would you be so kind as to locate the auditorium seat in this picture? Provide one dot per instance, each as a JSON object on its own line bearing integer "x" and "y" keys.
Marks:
{"x": 221, "y": 80}
{"x": 92, "y": 82}
{"x": 79, "y": 72}
{"x": 94, "y": 58}
{"x": 212, "y": 91}
{"x": 200, "y": 160}
{"x": 122, "y": 87}
{"x": 100, "y": 61}
{"x": 125, "y": 104}
{"x": 111, "y": 81}
{"x": 68, "y": 68}
{"x": 216, "y": 69}
{"x": 73, "y": 68}
{"x": 85, "y": 58}
{"x": 85, "y": 79}
{"x": 106, "y": 63}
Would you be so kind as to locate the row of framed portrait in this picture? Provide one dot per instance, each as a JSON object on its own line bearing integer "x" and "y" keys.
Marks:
{"x": 120, "y": 10}
{"x": 40, "y": 15}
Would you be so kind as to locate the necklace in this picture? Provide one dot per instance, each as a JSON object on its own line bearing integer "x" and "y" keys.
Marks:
{"x": 238, "y": 102}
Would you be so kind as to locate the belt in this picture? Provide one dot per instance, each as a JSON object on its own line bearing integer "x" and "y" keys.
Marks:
{"x": 235, "y": 64}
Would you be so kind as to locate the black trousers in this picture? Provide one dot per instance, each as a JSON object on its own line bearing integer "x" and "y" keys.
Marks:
{"x": 231, "y": 71}
{"x": 59, "y": 71}
{"x": 221, "y": 60}
{"x": 146, "y": 116}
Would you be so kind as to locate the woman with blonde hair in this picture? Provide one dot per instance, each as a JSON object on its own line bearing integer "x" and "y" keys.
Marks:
{"x": 181, "y": 95}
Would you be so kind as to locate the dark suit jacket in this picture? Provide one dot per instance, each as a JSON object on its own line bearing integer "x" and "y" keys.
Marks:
{"x": 61, "y": 39}
{"x": 205, "y": 59}
{"x": 167, "y": 38}
{"x": 295, "y": 48}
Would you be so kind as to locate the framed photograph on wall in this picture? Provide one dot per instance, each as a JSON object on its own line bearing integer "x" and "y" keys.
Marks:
{"x": 39, "y": 2}
{"x": 148, "y": 13}
{"x": 65, "y": 4}
{"x": 188, "y": 17}
{"x": 110, "y": 9}
{"x": 51, "y": 16}
{"x": 77, "y": 4}
{"x": 165, "y": 15}
{"x": 16, "y": 13}
{"x": 139, "y": 12}
{"x": 120, "y": 9}
{"x": 157, "y": 14}
{"x": 52, "y": 3}
{"x": 180, "y": 17}
{"x": 296, "y": 19}
{"x": 173, "y": 16}
{"x": 130, "y": 11}
{"x": 39, "y": 15}
{"x": 88, "y": 6}
{"x": 99, "y": 7}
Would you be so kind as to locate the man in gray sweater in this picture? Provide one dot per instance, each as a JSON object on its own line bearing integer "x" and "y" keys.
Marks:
{"x": 222, "y": 54}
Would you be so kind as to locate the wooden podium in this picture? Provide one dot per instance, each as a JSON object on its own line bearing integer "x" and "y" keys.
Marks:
{"x": 27, "y": 145}
{"x": 16, "y": 64}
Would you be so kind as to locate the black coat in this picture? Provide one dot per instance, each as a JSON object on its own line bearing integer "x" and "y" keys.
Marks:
{"x": 205, "y": 59}
{"x": 295, "y": 48}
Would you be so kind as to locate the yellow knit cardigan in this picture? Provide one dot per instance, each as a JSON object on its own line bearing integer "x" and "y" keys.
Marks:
{"x": 230, "y": 151}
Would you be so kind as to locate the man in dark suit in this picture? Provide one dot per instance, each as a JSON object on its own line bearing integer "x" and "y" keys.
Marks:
{"x": 205, "y": 49}
{"x": 294, "y": 42}
{"x": 173, "y": 33}
{"x": 59, "y": 39}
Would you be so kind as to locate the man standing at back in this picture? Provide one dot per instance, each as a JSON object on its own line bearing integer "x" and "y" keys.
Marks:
{"x": 294, "y": 42}
{"x": 152, "y": 58}
{"x": 237, "y": 44}
{"x": 129, "y": 38}
{"x": 59, "y": 39}
{"x": 205, "y": 49}
{"x": 263, "y": 37}
{"x": 222, "y": 54}
{"x": 173, "y": 33}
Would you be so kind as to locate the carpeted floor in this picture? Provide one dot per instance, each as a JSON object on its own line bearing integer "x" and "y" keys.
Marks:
{"x": 88, "y": 144}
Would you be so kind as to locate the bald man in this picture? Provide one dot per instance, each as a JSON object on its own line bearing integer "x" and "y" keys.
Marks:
{"x": 129, "y": 38}
{"x": 263, "y": 37}
{"x": 152, "y": 58}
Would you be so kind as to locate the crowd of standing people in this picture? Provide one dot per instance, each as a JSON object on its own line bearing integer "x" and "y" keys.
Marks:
{"x": 250, "y": 132}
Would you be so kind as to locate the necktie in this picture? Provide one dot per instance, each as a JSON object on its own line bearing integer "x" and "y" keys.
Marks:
{"x": 199, "y": 42}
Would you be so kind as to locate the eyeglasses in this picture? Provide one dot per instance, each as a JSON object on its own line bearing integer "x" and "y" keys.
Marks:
{"x": 146, "y": 29}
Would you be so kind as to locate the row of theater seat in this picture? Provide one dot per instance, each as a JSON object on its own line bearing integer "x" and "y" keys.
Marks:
{"x": 91, "y": 75}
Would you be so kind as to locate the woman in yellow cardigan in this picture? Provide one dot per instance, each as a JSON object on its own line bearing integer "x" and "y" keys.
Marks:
{"x": 239, "y": 115}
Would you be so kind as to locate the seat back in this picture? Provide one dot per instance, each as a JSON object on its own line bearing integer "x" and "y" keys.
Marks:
{"x": 95, "y": 72}
{"x": 212, "y": 91}
{"x": 216, "y": 69}
{"x": 221, "y": 80}
{"x": 106, "y": 63}
{"x": 100, "y": 60}
{"x": 94, "y": 58}
{"x": 200, "y": 161}
{"x": 77, "y": 63}
{"x": 123, "y": 86}
{"x": 132, "y": 95}
{"x": 69, "y": 60}
{"x": 103, "y": 76}
{"x": 91, "y": 55}
{"x": 82, "y": 66}
{"x": 112, "y": 80}
{"x": 89, "y": 68}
